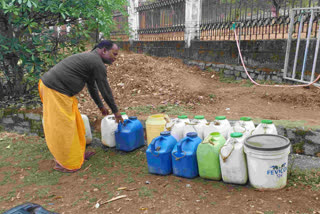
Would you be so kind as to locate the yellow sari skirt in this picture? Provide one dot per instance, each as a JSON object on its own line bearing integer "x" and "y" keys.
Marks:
{"x": 63, "y": 127}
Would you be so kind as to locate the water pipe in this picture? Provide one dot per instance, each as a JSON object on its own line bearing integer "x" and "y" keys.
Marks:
{"x": 254, "y": 82}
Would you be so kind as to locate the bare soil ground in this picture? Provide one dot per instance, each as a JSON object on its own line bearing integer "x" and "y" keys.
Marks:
{"x": 144, "y": 81}
{"x": 110, "y": 174}
{"x": 140, "y": 81}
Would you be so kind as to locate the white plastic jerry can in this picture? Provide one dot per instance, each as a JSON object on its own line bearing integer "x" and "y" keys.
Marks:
{"x": 87, "y": 128}
{"x": 108, "y": 128}
{"x": 265, "y": 127}
{"x": 220, "y": 124}
{"x": 195, "y": 125}
{"x": 247, "y": 123}
{"x": 233, "y": 161}
{"x": 176, "y": 126}
{"x": 237, "y": 128}
{"x": 124, "y": 116}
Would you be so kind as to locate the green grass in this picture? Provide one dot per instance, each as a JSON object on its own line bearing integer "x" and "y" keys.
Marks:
{"x": 302, "y": 178}
{"x": 170, "y": 109}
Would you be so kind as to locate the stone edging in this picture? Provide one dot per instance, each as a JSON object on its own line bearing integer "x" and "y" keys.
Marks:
{"x": 237, "y": 72}
{"x": 306, "y": 142}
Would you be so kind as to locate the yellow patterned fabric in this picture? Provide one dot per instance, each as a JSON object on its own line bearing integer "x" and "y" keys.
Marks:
{"x": 63, "y": 127}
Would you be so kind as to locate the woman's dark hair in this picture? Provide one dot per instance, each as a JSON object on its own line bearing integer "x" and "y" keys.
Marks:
{"x": 108, "y": 44}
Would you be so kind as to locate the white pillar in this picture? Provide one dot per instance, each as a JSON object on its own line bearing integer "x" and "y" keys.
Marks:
{"x": 192, "y": 21}
{"x": 133, "y": 20}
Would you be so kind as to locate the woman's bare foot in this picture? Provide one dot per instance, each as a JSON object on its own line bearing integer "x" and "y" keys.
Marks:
{"x": 88, "y": 155}
{"x": 59, "y": 168}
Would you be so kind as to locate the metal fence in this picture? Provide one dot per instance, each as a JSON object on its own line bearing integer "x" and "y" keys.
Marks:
{"x": 161, "y": 20}
{"x": 256, "y": 19}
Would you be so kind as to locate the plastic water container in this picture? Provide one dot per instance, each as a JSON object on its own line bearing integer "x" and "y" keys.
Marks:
{"x": 159, "y": 154}
{"x": 28, "y": 208}
{"x": 195, "y": 125}
{"x": 220, "y": 124}
{"x": 184, "y": 156}
{"x": 177, "y": 125}
{"x": 233, "y": 160}
{"x": 265, "y": 127}
{"x": 155, "y": 124}
{"x": 124, "y": 115}
{"x": 247, "y": 123}
{"x": 239, "y": 129}
{"x": 267, "y": 157}
{"x": 87, "y": 127}
{"x": 208, "y": 156}
{"x": 129, "y": 135}
{"x": 108, "y": 128}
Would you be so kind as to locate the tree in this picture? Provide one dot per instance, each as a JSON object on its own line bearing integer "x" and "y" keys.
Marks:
{"x": 30, "y": 45}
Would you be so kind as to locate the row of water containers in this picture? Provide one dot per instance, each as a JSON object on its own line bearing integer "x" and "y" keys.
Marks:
{"x": 214, "y": 150}
{"x": 179, "y": 127}
{"x": 217, "y": 150}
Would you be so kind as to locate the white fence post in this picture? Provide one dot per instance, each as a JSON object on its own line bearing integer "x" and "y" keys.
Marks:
{"x": 133, "y": 20}
{"x": 192, "y": 21}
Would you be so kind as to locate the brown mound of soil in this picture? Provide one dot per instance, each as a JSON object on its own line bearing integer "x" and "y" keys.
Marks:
{"x": 140, "y": 80}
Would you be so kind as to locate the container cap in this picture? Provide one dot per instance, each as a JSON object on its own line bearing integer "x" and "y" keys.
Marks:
{"x": 132, "y": 118}
{"x": 165, "y": 133}
{"x": 192, "y": 134}
{"x": 245, "y": 118}
{"x": 215, "y": 134}
{"x": 267, "y": 142}
{"x": 266, "y": 121}
{"x": 220, "y": 117}
{"x": 122, "y": 113}
{"x": 236, "y": 134}
{"x": 199, "y": 117}
{"x": 182, "y": 116}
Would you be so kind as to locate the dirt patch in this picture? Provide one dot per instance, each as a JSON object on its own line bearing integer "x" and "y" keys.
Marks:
{"x": 139, "y": 80}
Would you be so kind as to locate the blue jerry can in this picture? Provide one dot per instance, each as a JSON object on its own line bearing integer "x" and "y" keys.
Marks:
{"x": 28, "y": 208}
{"x": 129, "y": 135}
{"x": 184, "y": 156}
{"x": 159, "y": 154}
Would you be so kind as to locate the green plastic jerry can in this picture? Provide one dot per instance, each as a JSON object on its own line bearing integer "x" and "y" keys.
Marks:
{"x": 208, "y": 156}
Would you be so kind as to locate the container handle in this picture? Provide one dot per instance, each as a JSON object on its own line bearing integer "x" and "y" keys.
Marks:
{"x": 210, "y": 140}
{"x": 224, "y": 158}
{"x": 120, "y": 124}
{"x": 170, "y": 127}
{"x": 179, "y": 149}
{"x": 178, "y": 158}
{"x": 245, "y": 129}
{"x": 153, "y": 145}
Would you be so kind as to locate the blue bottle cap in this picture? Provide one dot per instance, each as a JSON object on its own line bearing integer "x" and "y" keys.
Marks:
{"x": 132, "y": 118}
{"x": 165, "y": 133}
{"x": 192, "y": 134}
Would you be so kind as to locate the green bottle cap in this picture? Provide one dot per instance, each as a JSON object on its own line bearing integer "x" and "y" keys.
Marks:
{"x": 245, "y": 118}
{"x": 122, "y": 113}
{"x": 215, "y": 134}
{"x": 266, "y": 121}
{"x": 220, "y": 117}
{"x": 182, "y": 116}
{"x": 236, "y": 134}
{"x": 199, "y": 117}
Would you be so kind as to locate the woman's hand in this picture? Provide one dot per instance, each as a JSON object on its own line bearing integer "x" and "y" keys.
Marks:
{"x": 118, "y": 117}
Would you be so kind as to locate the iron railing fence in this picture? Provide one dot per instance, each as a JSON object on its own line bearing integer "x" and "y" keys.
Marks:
{"x": 254, "y": 19}
{"x": 258, "y": 19}
{"x": 161, "y": 16}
